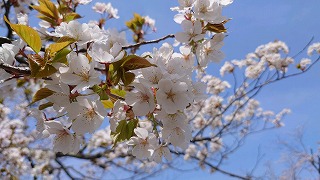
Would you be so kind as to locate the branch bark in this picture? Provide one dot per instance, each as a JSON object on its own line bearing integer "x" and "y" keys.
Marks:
{"x": 148, "y": 42}
{"x": 15, "y": 70}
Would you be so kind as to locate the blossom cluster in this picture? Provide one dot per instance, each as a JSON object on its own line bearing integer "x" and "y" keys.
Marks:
{"x": 155, "y": 103}
{"x": 161, "y": 93}
{"x": 197, "y": 17}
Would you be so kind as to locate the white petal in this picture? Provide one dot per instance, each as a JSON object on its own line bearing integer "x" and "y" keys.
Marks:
{"x": 141, "y": 132}
{"x": 70, "y": 79}
{"x": 182, "y": 37}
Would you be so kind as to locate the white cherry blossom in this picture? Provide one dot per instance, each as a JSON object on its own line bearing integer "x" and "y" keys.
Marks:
{"x": 179, "y": 136}
{"x": 160, "y": 152}
{"x": 186, "y": 3}
{"x": 143, "y": 143}
{"x": 192, "y": 32}
{"x": 209, "y": 11}
{"x": 80, "y": 72}
{"x": 172, "y": 96}
{"x": 141, "y": 100}
{"x": 118, "y": 113}
{"x": 76, "y": 30}
{"x": 87, "y": 114}
{"x": 64, "y": 140}
{"x": 102, "y": 53}
{"x": 210, "y": 50}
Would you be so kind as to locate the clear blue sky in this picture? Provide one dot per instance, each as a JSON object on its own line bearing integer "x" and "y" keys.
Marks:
{"x": 254, "y": 22}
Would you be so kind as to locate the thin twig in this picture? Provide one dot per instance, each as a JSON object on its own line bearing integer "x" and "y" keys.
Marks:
{"x": 64, "y": 169}
{"x": 15, "y": 70}
{"x": 148, "y": 42}
{"x": 214, "y": 167}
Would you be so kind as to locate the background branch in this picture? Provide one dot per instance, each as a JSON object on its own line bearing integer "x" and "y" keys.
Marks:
{"x": 148, "y": 42}
{"x": 15, "y": 70}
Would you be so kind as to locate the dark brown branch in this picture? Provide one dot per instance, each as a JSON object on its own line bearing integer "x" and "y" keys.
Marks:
{"x": 15, "y": 70}
{"x": 81, "y": 156}
{"x": 213, "y": 166}
{"x": 64, "y": 169}
{"x": 148, "y": 42}
{"x": 4, "y": 40}
{"x": 7, "y": 6}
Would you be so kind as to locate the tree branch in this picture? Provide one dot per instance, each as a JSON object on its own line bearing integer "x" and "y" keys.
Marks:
{"x": 213, "y": 166}
{"x": 148, "y": 42}
{"x": 7, "y": 6}
{"x": 64, "y": 169}
{"x": 15, "y": 70}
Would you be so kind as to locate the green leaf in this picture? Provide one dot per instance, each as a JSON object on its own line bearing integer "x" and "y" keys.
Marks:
{"x": 61, "y": 56}
{"x": 71, "y": 16}
{"x": 217, "y": 28}
{"x": 124, "y": 131}
{"x": 133, "y": 62}
{"x": 41, "y": 94}
{"x": 118, "y": 92}
{"x": 39, "y": 67}
{"x": 116, "y": 65}
{"x": 27, "y": 34}
{"x": 48, "y": 9}
{"x": 34, "y": 68}
{"x": 60, "y": 44}
{"x": 49, "y": 20}
{"x": 101, "y": 91}
{"x": 46, "y": 71}
{"x": 45, "y": 105}
{"x": 127, "y": 78}
{"x": 107, "y": 103}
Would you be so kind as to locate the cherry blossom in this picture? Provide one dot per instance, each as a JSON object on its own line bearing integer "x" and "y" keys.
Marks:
{"x": 142, "y": 100}
{"x": 118, "y": 113}
{"x": 210, "y": 51}
{"x": 209, "y": 11}
{"x": 88, "y": 115}
{"x": 160, "y": 152}
{"x": 80, "y": 73}
{"x": 64, "y": 140}
{"x": 172, "y": 96}
{"x": 143, "y": 143}
{"x": 171, "y": 101}
{"x": 76, "y": 30}
{"x": 192, "y": 32}
{"x": 102, "y": 53}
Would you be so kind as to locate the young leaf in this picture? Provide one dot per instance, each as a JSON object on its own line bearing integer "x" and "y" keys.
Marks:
{"x": 60, "y": 44}
{"x": 39, "y": 68}
{"x": 124, "y": 131}
{"x": 46, "y": 71}
{"x": 127, "y": 78}
{"x": 217, "y": 28}
{"x": 37, "y": 59}
{"x": 34, "y": 68}
{"x": 41, "y": 94}
{"x": 133, "y": 62}
{"x": 45, "y": 105}
{"x": 71, "y": 16}
{"x": 48, "y": 9}
{"x": 27, "y": 34}
{"x": 61, "y": 56}
{"x": 118, "y": 92}
{"x": 107, "y": 103}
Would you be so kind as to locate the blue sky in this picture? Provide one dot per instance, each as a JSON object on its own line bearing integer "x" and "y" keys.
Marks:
{"x": 254, "y": 22}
